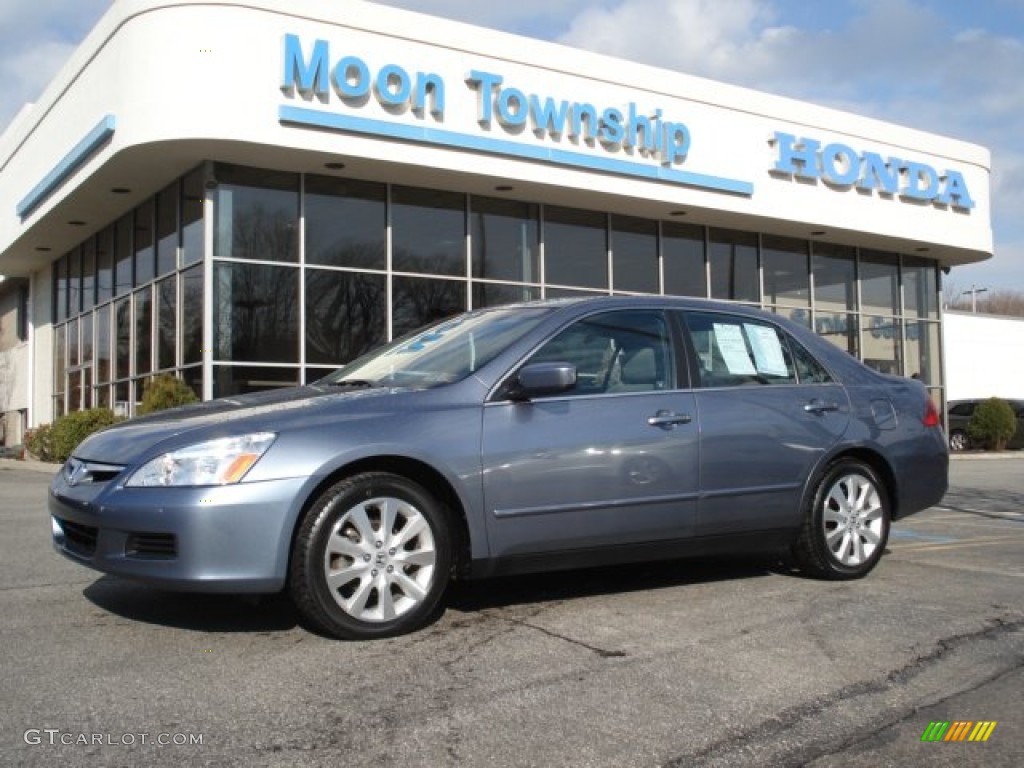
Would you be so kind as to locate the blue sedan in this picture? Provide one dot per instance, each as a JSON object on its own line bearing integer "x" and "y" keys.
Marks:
{"x": 540, "y": 436}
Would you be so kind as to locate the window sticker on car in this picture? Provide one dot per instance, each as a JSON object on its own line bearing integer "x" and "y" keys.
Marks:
{"x": 767, "y": 350}
{"x": 734, "y": 349}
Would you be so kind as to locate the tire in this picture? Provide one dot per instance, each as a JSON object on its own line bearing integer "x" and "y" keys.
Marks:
{"x": 958, "y": 441}
{"x": 371, "y": 558}
{"x": 846, "y": 523}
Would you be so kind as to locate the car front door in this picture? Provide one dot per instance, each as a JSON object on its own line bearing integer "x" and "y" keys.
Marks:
{"x": 611, "y": 461}
{"x": 767, "y": 412}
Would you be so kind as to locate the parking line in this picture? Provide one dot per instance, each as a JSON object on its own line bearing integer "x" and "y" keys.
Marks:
{"x": 930, "y": 547}
{"x": 988, "y": 514}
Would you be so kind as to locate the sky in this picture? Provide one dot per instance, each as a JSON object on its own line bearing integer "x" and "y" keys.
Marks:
{"x": 943, "y": 66}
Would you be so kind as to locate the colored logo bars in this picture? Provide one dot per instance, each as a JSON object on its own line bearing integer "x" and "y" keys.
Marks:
{"x": 959, "y": 730}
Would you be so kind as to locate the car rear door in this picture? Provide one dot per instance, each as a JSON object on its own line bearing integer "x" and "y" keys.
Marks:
{"x": 767, "y": 412}
{"x": 612, "y": 461}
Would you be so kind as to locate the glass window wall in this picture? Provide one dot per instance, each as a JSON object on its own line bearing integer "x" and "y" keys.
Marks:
{"x": 256, "y": 313}
{"x": 635, "y": 255}
{"x": 167, "y": 230}
{"x": 346, "y": 315}
{"x": 682, "y": 254}
{"x": 192, "y": 315}
{"x": 283, "y": 313}
{"x": 879, "y": 283}
{"x": 786, "y": 272}
{"x": 733, "y": 260}
{"x": 143, "y": 243}
{"x": 505, "y": 238}
{"x": 193, "y": 194}
{"x": 346, "y": 223}
{"x": 167, "y": 323}
{"x": 428, "y": 231}
{"x": 575, "y": 248}
{"x": 124, "y": 274}
{"x": 256, "y": 214}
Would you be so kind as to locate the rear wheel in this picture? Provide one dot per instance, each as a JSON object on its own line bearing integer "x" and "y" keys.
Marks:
{"x": 371, "y": 557}
{"x": 846, "y": 524}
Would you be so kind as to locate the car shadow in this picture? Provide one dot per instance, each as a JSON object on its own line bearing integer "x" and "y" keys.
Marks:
{"x": 505, "y": 591}
{"x": 202, "y": 612}
{"x": 198, "y": 612}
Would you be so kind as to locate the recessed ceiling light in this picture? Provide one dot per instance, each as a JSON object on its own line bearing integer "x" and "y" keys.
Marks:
{"x": 334, "y": 166}
{"x": 677, "y": 213}
{"x": 76, "y": 223}
{"x": 818, "y": 233}
{"x": 504, "y": 188}
{"x": 120, "y": 190}
{"x": 43, "y": 248}
{"x": 922, "y": 249}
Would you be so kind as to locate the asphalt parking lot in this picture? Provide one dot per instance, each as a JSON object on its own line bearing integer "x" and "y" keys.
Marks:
{"x": 687, "y": 663}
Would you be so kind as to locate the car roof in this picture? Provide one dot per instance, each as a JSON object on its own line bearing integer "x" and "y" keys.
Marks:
{"x": 649, "y": 300}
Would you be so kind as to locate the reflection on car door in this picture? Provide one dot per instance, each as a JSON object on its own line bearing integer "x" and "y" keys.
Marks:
{"x": 767, "y": 412}
{"x": 613, "y": 461}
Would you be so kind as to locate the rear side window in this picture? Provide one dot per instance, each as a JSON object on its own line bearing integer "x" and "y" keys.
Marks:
{"x": 808, "y": 370}
{"x": 962, "y": 409}
{"x": 735, "y": 351}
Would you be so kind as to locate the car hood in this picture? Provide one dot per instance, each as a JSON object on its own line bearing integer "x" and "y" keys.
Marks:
{"x": 137, "y": 439}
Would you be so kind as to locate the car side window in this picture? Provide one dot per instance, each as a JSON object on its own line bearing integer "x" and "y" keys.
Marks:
{"x": 808, "y": 370}
{"x": 623, "y": 351}
{"x": 734, "y": 351}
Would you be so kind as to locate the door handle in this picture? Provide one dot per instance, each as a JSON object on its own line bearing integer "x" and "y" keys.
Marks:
{"x": 818, "y": 407}
{"x": 668, "y": 419}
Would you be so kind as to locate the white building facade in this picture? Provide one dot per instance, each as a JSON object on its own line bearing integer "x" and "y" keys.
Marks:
{"x": 248, "y": 194}
{"x": 984, "y": 356}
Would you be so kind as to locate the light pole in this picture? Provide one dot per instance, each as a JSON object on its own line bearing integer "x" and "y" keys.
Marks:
{"x": 974, "y": 298}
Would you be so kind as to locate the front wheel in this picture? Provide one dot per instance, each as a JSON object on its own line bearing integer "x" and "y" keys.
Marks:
{"x": 846, "y": 524}
{"x": 371, "y": 557}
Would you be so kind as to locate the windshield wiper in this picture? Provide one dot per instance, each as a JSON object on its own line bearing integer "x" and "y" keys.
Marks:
{"x": 353, "y": 383}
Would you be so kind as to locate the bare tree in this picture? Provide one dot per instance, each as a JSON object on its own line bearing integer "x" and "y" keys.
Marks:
{"x": 1007, "y": 302}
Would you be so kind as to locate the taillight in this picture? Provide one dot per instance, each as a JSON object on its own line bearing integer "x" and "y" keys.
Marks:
{"x": 931, "y": 414}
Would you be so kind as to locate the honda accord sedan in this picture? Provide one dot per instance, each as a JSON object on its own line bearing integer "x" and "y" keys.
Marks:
{"x": 533, "y": 437}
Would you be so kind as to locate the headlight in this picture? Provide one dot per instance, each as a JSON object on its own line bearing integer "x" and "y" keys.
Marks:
{"x": 216, "y": 462}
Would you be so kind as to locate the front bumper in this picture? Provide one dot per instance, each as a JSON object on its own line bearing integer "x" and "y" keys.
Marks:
{"x": 218, "y": 539}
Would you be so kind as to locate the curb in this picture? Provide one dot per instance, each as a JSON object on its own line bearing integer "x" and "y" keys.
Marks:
{"x": 33, "y": 466}
{"x": 985, "y": 456}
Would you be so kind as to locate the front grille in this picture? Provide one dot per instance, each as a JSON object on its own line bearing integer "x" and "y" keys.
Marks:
{"x": 151, "y": 546}
{"x": 80, "y": 539}
{"x": 81, "y": 472}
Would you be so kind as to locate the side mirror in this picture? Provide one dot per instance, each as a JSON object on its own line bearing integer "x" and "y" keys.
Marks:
{"x": 538, "y": 379}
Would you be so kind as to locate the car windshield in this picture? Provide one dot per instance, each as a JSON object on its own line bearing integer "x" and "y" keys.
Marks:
{"x": 442, "y": 353}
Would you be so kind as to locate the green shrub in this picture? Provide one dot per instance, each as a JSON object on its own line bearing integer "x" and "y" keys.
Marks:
{"x": 992, "y": 423}
{"x": 71, "y": 429}
{"x": 39, "y": 442}
{"x": 165, "y": 391}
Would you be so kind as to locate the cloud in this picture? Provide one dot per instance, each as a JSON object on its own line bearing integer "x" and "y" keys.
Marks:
{"x": 538, "y": 18}
{"x": 28, "y": 72}
{"x": 36, "y": 38}
{"x": 722, "y": 40}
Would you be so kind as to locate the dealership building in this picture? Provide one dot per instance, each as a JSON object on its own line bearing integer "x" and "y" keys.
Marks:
{"x": 249, "y": 194}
